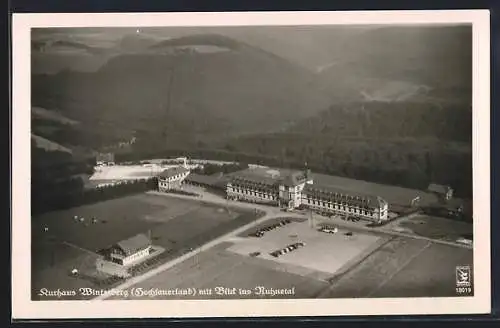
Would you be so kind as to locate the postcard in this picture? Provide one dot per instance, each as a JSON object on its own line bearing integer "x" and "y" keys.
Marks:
{"x": 250, "y": 164}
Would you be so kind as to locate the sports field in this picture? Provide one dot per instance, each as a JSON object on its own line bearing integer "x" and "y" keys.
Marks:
{"x": 120, "y": 172}
{"x": 129, "y": 172}
{"x": 176, "y": 225}
{"x": 328, "y": 266}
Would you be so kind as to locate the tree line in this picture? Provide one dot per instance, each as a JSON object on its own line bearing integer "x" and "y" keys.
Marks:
{"x": 72, "y": 194}
{"x": 56, "y": 182}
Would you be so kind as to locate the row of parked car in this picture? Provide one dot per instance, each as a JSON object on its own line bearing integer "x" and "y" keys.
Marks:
{"x": 259, "y": 233}
{"x": 332, "y": 230}
{"x": 351, "y": 218}
{"x": 328, "y": 229}
{"x": 82, "y": 219}
{"x": 287, "y": 249}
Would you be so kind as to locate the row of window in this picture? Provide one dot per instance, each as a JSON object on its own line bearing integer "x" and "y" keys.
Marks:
{"x": 175, "y": 177}
{"x": 256, "y": 188}
{"x": 341, "y": 207}
{"x": 253, "y": 193}
{"x": 164, "y": 184}
{"x": 134, "y": 256}
{"x": 330, "y": 203}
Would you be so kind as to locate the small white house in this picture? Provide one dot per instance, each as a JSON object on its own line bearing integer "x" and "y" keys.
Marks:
{"x": 131, "y": 250}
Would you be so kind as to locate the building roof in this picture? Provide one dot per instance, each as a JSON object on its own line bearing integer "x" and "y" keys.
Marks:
{"x": 251, "y": 177}
{"x": 203, "y": 179}
{"x": 437, "y": 188}
{"x": 172, "y": 171}
{"x": 334, "y": 193}
{"x": 134, "y": 244}
{"x": 257, "y": 184}
{"x": 294, "y": 178}
{"x": 105, "y": 157}
{"x": 270, "y": 177}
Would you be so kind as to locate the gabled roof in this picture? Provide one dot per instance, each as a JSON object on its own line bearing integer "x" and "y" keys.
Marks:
{"x": 105, "y": 157}
{"x": 260, "y": 183}
{"x": 134, "y": 244}
{"x": 247, "y": 178}
{"x": 203, "y": 179}
{"x": 337, "y": 194}
{"x": 294, "y": 179}
{"x": 277, "y": 177}
{"x": 170, "y": 172}
{"x": 440, "y": 189}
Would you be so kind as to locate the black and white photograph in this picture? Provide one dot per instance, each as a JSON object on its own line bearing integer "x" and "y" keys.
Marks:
{"x": 266, "y": 162}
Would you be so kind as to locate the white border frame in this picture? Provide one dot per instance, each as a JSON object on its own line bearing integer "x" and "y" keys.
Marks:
{"x": 24, "y": 308}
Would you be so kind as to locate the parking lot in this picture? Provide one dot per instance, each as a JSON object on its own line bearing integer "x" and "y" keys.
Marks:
{"x": 328, "y": 265}
{"x": 323, "y": 252}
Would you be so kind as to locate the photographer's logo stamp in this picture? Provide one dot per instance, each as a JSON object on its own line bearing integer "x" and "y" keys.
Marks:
{"x": 463, "y": 276}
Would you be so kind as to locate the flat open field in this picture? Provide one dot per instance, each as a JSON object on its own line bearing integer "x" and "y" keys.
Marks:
{"x": 328, "y": 266}
{"x": 129, "y": 172}
{"x": 433, "y": 227}
{"x": 219, "y": 268}
{"x": 175, "y": 224}
{"x": 403, "y": 268}
{"x": 118, "y": 172}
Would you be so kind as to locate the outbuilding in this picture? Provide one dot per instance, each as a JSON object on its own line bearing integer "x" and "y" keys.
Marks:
{"x": 131, "y": 250}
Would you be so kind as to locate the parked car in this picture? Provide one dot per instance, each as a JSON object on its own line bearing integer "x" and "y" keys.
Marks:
{"x": 329, "y": 230}
{"x": 348, "y": 233}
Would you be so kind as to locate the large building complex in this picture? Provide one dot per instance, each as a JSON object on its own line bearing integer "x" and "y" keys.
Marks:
{"x": 294, "y": 189}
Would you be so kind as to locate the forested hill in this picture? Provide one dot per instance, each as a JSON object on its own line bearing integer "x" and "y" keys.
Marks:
{"x": 387, "y": 104}
{"x": 407, "y": 144}
{"x": 173, "y": 91}
{"x": 390, "y": 120}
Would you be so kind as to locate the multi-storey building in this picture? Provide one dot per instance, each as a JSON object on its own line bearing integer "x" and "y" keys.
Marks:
{"x": 172, "y": 178}
{"x": 332, "y": 200}
{"x": 295, "y": 189}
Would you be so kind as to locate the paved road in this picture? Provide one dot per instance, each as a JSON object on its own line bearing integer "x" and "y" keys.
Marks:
{"x": 270, "y": 213}
{"x": 133, "y": 281}
{"x": 211, "y": 198}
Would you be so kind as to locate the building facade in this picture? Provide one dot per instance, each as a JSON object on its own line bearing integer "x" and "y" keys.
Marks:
{"x": 172, "y": 178}
{"x": 330, "y": 200}
{"x": 253, "y": 190}
{"x": 105, "y": 159}
{"x": 297, "y": 189}
{"x": 131, "y": 251}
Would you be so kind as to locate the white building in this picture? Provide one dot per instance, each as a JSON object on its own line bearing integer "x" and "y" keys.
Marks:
{"x": 296, "y": 189}
{"x": 172, "y": 178}
{"x": 332, "y": 200}
{"x": 131, "y": 250}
